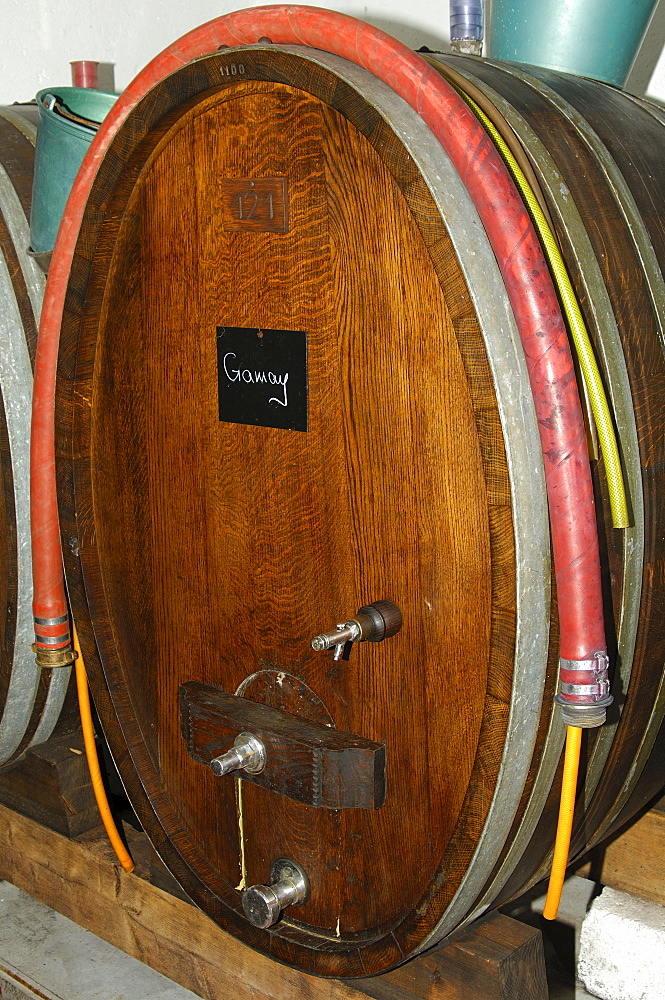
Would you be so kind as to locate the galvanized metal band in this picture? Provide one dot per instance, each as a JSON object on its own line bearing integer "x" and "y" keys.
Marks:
{"x": 22, "y": 124}
{"x": 16, "y": 392}
{"x": 55, "y": 698}
{"x": 615, "y": 371}
{"x": 523, "y": 452}
{"x": 16, "y": 388}
{"x": 613, "y": 366}
{"x": 62, "y": 620}
{"x": 51, "y": 640}
{"x": 19, "y": 229}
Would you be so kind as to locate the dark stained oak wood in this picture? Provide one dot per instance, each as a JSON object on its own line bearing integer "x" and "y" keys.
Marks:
{"x": 304, "y": 760}
{"x": 212, "y": 551}
{"x": 499, "y": 958}
{"x": 51, "y": 785}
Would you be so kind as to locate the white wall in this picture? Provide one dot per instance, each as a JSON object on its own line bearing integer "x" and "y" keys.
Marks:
{"x": 40, "y": 37}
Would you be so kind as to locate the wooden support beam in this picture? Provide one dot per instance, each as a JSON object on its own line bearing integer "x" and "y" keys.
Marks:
{"x": 497, "y": 958}
{"x": 500, "y": 959}
{"x": 51, "y": 785}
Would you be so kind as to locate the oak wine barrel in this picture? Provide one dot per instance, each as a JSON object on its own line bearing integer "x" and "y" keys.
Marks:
{"x": 290, "y": 387}
{"x": 30, "y": 699}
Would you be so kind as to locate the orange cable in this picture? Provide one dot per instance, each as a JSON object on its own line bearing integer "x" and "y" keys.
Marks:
{"x": 565, "y": 825}
{"x": 93, "y": 760}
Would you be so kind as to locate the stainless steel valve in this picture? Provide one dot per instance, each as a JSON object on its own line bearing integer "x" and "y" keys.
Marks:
{"x": 247, "y": 754}
{"x": 289, "y": 886}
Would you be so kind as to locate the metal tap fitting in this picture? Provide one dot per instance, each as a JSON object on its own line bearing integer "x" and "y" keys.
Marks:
{"x": 289, "y": 886}
{"x": 247, "y": 754}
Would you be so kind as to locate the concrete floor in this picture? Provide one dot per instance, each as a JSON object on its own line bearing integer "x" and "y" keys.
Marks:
{"x": 45, "y": 955}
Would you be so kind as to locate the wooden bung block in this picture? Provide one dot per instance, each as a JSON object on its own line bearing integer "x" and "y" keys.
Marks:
{"x": 304, "y": 760}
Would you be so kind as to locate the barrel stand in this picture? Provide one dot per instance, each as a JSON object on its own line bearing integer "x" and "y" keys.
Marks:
{"x": 498, "y": 959}
{"x": 51, "y": 784}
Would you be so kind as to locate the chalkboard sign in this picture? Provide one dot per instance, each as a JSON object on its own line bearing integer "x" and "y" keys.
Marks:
{"x": 262, "y": 377}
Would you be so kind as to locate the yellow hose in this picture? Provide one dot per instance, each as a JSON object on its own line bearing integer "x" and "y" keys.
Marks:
{"x": 583, "y": 347}
{"x": 93, "y": 760}
{"x": 565, "y": 824}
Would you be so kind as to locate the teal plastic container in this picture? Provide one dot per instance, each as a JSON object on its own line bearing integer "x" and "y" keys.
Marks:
{"x": 591, "y": 38}
{"x": 60, "y": 148}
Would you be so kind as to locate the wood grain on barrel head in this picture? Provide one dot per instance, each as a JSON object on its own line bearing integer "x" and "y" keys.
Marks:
{"x": 211, "y": 551}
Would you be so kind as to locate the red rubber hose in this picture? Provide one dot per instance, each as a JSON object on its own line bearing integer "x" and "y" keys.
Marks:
{"x": 524, "y": 270}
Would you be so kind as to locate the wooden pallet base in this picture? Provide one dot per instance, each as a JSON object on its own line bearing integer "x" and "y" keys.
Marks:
{"x": 498, "y": 959}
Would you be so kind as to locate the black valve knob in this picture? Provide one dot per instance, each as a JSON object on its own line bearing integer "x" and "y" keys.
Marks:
{"x": 379, "y": 620}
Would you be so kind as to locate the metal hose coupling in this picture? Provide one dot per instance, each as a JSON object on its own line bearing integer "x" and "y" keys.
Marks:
{"x": 53, "y": 644}
{"x": 584, "y": 691}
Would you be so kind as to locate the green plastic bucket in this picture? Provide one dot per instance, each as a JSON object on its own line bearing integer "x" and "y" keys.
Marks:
{"x": 586, "y": 37}
{"x": 61, "y": 146}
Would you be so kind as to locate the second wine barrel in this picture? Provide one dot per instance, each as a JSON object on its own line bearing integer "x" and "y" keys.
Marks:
{"x": 30, "y": 699}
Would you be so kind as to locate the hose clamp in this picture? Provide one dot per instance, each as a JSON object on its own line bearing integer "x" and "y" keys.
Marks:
{"x": 53, "y": 640}
{"x": 597, "y": 691}
{"x": 584, "y": 698}
{"x": 60, "y": 620}
{"x": 598, "y": 687}
{"x": 599, "y": 661}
